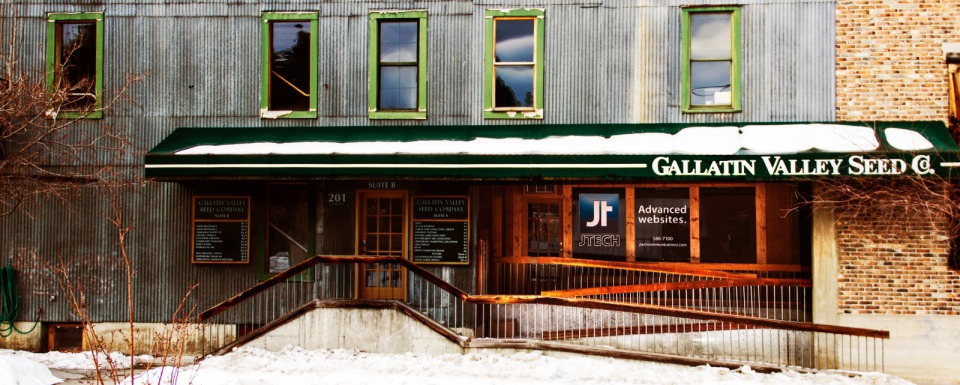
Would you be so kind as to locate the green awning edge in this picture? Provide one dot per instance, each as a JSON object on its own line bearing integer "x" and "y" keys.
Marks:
{"x": 945, "y": 149}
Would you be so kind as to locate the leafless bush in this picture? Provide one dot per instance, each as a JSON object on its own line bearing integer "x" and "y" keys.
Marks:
{"x": 43, "y": 154}
{"x": 930, "y": 198}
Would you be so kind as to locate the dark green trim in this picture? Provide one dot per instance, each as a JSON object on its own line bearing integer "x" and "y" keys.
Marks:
{"x": 162, "y": 163}
{"x": 51, "y": 67}
{"x": 374, "y": 65}
{"x": 265, "y": 20}
{"x": 561, "y": 167}
{"x": 736, "y": 85}
{"x": 489, "y": 80}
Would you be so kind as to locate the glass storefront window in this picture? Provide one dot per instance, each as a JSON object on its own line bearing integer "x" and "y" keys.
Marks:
{"x": 728, "y": 225}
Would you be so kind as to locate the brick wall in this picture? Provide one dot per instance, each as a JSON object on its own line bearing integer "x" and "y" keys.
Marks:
{"x": 894, "y": 265}
{"x": 890, "y": 63}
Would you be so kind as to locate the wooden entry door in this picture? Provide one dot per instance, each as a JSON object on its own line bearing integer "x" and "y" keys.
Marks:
{"x": 383, "y": 232}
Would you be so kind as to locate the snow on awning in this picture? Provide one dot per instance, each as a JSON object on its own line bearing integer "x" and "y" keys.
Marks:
{"x": 759, "y": 151}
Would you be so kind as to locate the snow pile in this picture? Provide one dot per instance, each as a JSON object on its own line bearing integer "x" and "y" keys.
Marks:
{"x": 76, "y": 361}
{"x": 756, "y": 139}
{"x": 906, "y": 140}
{"x": 299, "y": 366}
{"x": 16, "y": 370}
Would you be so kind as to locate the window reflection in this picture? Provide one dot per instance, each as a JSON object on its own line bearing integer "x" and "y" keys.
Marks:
{"x": 514, "y": 86}
{"x": 288, "y": 226}
{"x": 710, "y": 83}
{"x": 710, "y": 36}
{"x": 711, "y": 59}
{"x": 398, "y": 41}
{"x": 543, "y": 229}
{"x": 513, "y": 68}
{"x": 514, "y": 40}
{"x": 398, "y": 65}
{"x": 398, "y": 88}
{"x": 77, "y": 44}
{"x": 290, "y": 65}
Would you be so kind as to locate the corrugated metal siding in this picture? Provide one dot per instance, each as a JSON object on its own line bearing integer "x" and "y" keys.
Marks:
{"x": 606, "y": 62}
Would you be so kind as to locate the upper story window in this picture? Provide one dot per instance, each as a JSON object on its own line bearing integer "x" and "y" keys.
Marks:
{"x": 289, "y": 65}
{"x": 711, "y": 59}
{"x": 75, "y": 63}
{"x": 513, "y": 69}
{"x": 398, "y": 65}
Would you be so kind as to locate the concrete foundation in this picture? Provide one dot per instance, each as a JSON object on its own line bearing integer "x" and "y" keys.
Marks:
{"x": 922, "y": 348}
{"x": 370, "y": 330}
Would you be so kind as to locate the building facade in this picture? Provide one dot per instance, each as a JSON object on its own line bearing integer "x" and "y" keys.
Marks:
{"x": 478, "y": 140}
{"x": 892, "y": 65}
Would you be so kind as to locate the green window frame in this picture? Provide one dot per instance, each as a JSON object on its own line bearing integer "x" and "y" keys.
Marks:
{"x": 695, "y": 97}
{"x": 378, "y": 65}
{"x": 492, "y": 108}
{"x": 54, "y": 69}
{"x": 270, "y": 78}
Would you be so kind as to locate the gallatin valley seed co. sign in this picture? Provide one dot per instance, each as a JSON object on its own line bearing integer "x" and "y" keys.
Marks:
{"x": 775, "y": 165}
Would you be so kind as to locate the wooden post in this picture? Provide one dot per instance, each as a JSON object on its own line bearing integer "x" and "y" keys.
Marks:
{"x": 567, "y": 222}
{"x": 630, "y": 227}
{"x": 694, "y": 224}
{"x": 761, "y": 210}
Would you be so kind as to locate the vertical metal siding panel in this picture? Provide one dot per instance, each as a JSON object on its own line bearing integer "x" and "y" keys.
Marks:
{"x": 616, "y": 63}
{"x": 454, "y": 75}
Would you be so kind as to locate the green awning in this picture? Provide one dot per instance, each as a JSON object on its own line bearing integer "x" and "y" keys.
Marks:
{"x": 717, "y": 152}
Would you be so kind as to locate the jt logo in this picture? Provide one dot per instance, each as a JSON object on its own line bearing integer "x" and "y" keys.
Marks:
{"x": 600, "y": 210}
{"x": 606, "y": 213}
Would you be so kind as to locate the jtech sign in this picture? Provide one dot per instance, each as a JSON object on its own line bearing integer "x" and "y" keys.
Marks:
{"x": 599, "y": 221}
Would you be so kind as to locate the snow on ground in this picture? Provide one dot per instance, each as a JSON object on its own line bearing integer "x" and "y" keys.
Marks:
{"x": 253, "y": 366}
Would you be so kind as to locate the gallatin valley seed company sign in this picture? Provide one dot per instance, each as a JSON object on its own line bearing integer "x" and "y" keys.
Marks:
{"x": 775, "y": 165}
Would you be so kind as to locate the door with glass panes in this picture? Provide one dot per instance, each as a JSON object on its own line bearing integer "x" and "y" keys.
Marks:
{"x": 382, "y": 232}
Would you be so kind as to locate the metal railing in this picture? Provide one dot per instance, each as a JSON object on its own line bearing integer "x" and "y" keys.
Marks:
{"x": 781, "y": 293}
{"x": 617, "y": 328}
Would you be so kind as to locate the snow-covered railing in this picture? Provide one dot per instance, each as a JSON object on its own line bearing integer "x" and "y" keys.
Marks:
{"x": 614, "y": 328}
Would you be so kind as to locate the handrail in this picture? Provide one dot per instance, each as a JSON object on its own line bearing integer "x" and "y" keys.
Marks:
{"x": 535, "y": 299}
{"x": 632, "y": 266}
{"x": 403, "y": 262}
{"x": 258, "y": 288}
{"x": 625, "y": 307}
{"x": 655, "y": 287}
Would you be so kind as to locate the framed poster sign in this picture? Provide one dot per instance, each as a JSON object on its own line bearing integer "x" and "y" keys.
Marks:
{"x": 441, "y": 230}
{"x": 599, "y": 224}
{"x": 220, "y": 229}
{"x": 663, "y": 224}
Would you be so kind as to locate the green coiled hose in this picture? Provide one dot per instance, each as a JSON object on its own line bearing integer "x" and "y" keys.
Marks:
{"x": 10, "y": 302}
